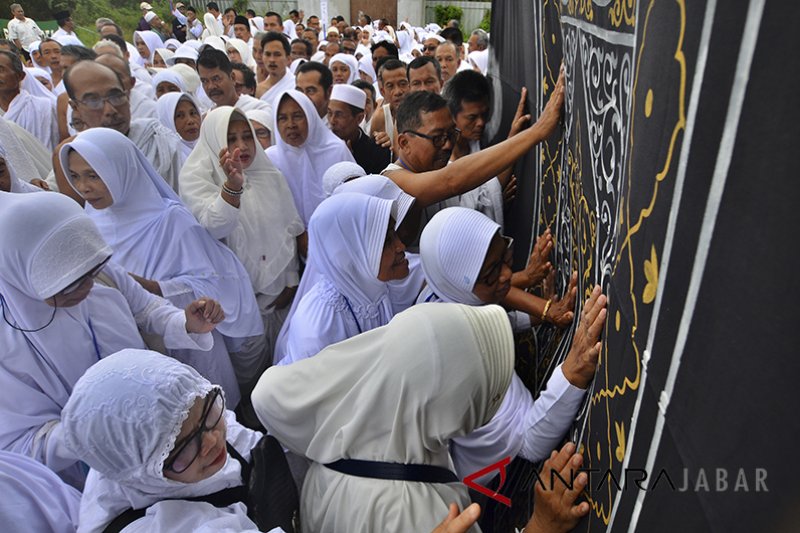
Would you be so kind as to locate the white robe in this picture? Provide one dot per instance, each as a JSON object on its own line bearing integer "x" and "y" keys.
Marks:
{"x": 142, "y": 106}
{"x": 160, "y": 146}
{"x": 37, "y": 115}
{"x": 486, "y": 197}
{"x": 287, "y": 82}
{"x": 24, "y": 154}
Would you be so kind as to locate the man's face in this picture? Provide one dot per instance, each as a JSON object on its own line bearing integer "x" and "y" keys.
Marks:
{"x": 471, "y": 120}
{"x": 218, "y": 85}
{"x": 348, "y": 46}
{"x": 275, "y": 58}
{"x": 313, "y": 22}
{"x": 9, "y": 79}
{"x": 90, "y": 81}
{"x": 473, "y": 43}
{"x": 377, "y": 55}
{"x": 394, "y": 86}
{"x": 420, "y": 153}
{"x": 108, "y": 30}
{"x": 241, "y": 31}
{"x": 299, "y": 51}
{"x": 429, "y": 47}
{"x": 156, "y": 23}
{"x": 227, "y": 18}
{"x": 342, "y": 121}
{"x": 272, "y": 23}
{"x": 425, "y": 79}
{"x": 257, "y": 53}
{"x": 447, "y": 56}
{"x": 68, "y": 25}
{"x": 51, "y": 54}
{"x": 213, "y": 11}
{"x": 19, "y": 13}
{"x": 238, "y": 83}
{"x": 330, "y": 50}
{"x": 308, "y": 84}
{"x": 191, "y": 16}
{"x": 311, "y": 36}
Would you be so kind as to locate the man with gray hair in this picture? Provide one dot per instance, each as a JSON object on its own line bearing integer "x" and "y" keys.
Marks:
{"x": 35, "y": 114}
{"x": 479, "y": 51}
{"x": 22, "y": 30}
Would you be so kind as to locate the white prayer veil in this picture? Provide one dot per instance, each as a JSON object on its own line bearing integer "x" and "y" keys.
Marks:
{"x": 34, "y": 86}
{"x": 453, "y": 247}
{"x": 170, "y": 76}
{"x": 350, "y": 62}
{"x": 296, "y": 64}
{"x": 155, "y": 236}
{"x": 303, "y": 166}
{"x": 165, "y": 54}
{"x": 166, "y": 106}
{"x": 185, "y": 51}
{"x": 21, "y": 160}
{"x": 152, "y": 40}
{"x": 245, "y": 52}
{"x": 213, "y": 26}
{"x": 263, "y": 117}
{"x": 396, "y": 394}
{"x": 16, "y": 185}
{"x": 264, "y": 237}
{"x": 365, "y": 66}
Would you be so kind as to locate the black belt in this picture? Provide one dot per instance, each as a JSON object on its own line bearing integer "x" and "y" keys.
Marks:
{"x": 393, "y": 471}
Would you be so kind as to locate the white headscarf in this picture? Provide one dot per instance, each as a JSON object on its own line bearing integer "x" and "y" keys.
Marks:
{"x": 34, "y": 86}
{"x": 184, "y": 51}
{"x": 172, "y": 44}
{"x": 263, "y": 117}
{"x": 350, "y": 62}
{"x": 345, "y": 243}
{"x": 264, "y": 238}
{"x": 165, "y": 54}
{"x": 155, "y": 236}
{"x": 294, "y": 65}
{"x": 213, "y": 26}
{"x": 17, "y": 185}
{"x": 340, "y": 173}
{"x": 244, "y": 51}
{"x": 453, "y": 247}
{"x": 289, "y": 29}
{"x": 152, "y": 40}
{"x": 122, "y": 420}
{"x": 166, "y": 106}
{"x": 169, "y": 76}
{"x": 305, "y": 165}
{"x": 365, "y": 66}
{"x": 34, "y": 495}
{"x": 34, "y": 47}
{"x": 395, "y": 394}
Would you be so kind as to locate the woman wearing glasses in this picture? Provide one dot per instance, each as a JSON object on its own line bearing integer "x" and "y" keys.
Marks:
{"x": 56, "y": 322}
{"x": 466, "y": 260}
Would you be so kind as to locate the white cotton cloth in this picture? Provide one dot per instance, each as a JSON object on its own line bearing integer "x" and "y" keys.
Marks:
{"x": 350, "y": 95}
{"x": 395, "y": 394}
{"x": 216, "y": 42}
{"x": 340, "y": 173}
{"x": 172, "y": 44}
{"x": 184, "y": 51}
{"x": 20, "y": 167}
{"x": 34, "y": 86}
{"x": 166, "y": 107}
{"x": 365, "y": 66}
{"x": 296, "y": 65}
{"x": 160, "y": 146}
{"x": 122, "y": 420}
{"x": 346, "y": 238}
{"x": 480, "y": 59}
{"x": 262, "y": 231}
{"x": 263, "y": 117}
{"x": 149, "y": 16}
{"x": 34, "y": 495}
{"x": 34, "y": 47}
{"x": 305, "y": 165}
{"x": 289, "y": 29}
{"x": 244, "y": 51}
{"x": 35, "y": 114}
{"x": 164, "y": 53}
{"x": 213, "y": 26}
{"x": 256, "y": 24}
{"x": 169, "y": 76}
{"x": 247, "y": 103}
{"x": 48, "y": 242}
{"x": 143, "y": 105}
{"x": 486, "y": 197}
{"x": 274, "y": 93}
{"x": 453, "y": 247}
{"x": 350, "y": 62}
{"x": 153, "y": 41}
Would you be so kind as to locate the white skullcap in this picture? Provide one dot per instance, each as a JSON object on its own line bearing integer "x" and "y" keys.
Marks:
{"x": 349, "y": 95}
{"x": 145, "y": 5}
{"x": 149, "y": 16}
{"x": 340, "y": 173}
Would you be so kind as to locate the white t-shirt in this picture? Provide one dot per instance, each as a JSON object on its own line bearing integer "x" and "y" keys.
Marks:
{"x": 26, "y": 31}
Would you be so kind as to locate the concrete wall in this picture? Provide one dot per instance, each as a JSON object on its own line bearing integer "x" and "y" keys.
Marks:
{"x": 413, "y": 11}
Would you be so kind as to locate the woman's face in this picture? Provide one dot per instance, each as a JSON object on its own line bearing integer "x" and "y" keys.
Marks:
{"x": 241, "y": 136}
{"x": 494, "y": 278}
{"x": 141, "y": 47}
{"x": 166, "y": 87}
{"x": 234, "y": 55}
{"x": 394, "y": 264}
{"x": 262, "y": 134}
{"x": 292, "y": 122}
{"x": 213, "y": 452}
{"x": 44, "y": 81}
{"x": 158, "y": 61}
{"x": 5, "y": 176}
{"x": 187, "y": 120}
{"x": 86, "y": 181}
{"x": 341, "y": 72}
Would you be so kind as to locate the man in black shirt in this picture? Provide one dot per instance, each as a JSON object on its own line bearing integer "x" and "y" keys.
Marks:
{"x": 345, "y": 113}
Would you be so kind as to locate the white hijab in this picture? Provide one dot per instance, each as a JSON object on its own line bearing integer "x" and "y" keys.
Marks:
{"x": 345, "y": 243}
{"x": 34, "y": 86}
{"x": 305, "y": 165}
{"x": 17, "y": 185}
{"x": 395, "y": 394}
{"x": 21, "y": 156}
{"x": 350, "y": 62}
{"x": 170, "y": 76}
{"x": 340, "y": 173}
{"x": 453, "y": 247}
{"x": 244, "y": 51}
{"x": 155, "y": 236}
{"x": 152, "y": 40}
{"x": 263, "y": 117}
{"x": 264, "y": 238}
{"x": 122, "y": 420}
{"x": 166, "y": 106}
{"x": 213, "y": 26}
{"x": 165, "y": 54}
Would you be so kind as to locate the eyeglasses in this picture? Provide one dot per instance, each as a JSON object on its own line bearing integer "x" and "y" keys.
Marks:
{"x": 431, "y": 48}
{"x": 96, "y": 103}
{"x": 184, "y": 455}
{"x": 493, "y": 275}
{"x": 439, "y": 140}
{"x": 93, "y": 273}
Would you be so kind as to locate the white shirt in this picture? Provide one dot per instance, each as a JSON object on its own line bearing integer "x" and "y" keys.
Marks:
{"x": 26, "y": 31}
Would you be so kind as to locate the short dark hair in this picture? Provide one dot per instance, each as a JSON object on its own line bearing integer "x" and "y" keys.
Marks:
{"x": 325, "y": 75}
{"x": 409, "y": 113}
{"x": 368, "y": 18}
{"x": 116, "y": 27}
{"x": 294, "y": 12}
{"x": 339, "y": 18}
{"x": 466, "y": 86}
{"x": 212, "y": 5}
{"x": 228, "y": 10}
{"x": 389, "y": 63}
{"x": 10, "y": 44}
{"x": 309, "y": 48}
{"x": 71, "y": 90}
{"x": 275, "y": 36}
{"x": 249, "y": 75}
{"x": 116, "y": 39}
{"x": 453, "y": 35}
{"x": 49, "y": 40}
{"x": 273, "y": 14}
{"x": 193, "y": 10}
{"x": 361, "y": 84}
{"x": 251, "y": 12}
{"x": 390, "y": 47}
{"x": 16, "y": 62}
{"x": 420, "y": 62}
{"x": 81, "y": 52}
{"x": 210, "y": 57}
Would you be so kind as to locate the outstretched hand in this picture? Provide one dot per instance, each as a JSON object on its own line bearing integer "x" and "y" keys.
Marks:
{"x": 538, "y": 266}
{"x": 549, "y": 118}
{"x": 203, "y": 315}
{"x": 581, "y": 362}
{"x": 459, "y": 523}
{"x": 232, "y": 167}
{"x": 521, "y": 118}
{"x": 561, "y": 310}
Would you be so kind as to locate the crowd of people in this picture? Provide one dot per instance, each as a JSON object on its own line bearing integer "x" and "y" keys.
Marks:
{"x": 256, "y": 276}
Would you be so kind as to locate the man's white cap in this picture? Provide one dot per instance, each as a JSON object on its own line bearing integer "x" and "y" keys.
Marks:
{"x": 149, "y": 16}
{"x": 145, "y": 5}
{"x": 184, "y": 51}
{"x": 349, "y": 95}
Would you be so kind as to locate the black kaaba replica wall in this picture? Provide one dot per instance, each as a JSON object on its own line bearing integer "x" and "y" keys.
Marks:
{"x": 674, "y": 183}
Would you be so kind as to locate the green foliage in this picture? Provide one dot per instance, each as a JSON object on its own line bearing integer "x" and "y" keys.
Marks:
{"x": 486, "y": 22}
{"x": 446, "y": 13}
